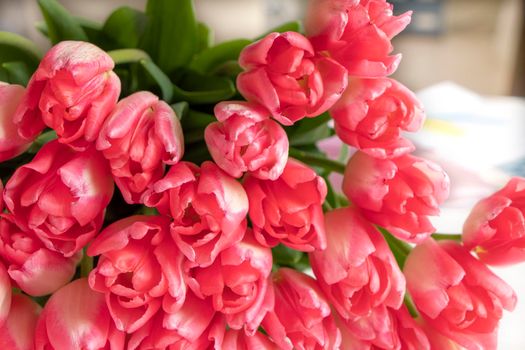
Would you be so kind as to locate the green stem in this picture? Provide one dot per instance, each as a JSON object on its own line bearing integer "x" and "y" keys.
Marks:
{"x": 124, "y": 56}
{"x": 445, "y": 236}
{"x": 410, "y": 306}
{"x": 86, "y": 265}
{"x": 400, "y": 249}
{"x": 317, "y": 161}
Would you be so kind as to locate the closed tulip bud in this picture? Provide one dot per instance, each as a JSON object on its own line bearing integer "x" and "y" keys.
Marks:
{"x": 11, "y": 143}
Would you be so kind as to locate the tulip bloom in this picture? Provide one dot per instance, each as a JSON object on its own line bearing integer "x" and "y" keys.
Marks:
{"x": 76, "y": 317}
{"x": 35, "y": 269}
{"x": 61, "y": 195}
{"x": 18, "y": 331}
{"x": 237, "y": 283}
{"x": 357, "y": 269}
{"x": 398, "y": 194}
{"x": 208, "y": 208}
{"x": 372, "y": 113}
{"x": 11, "y": 143}
{"x": 5, "y": 294}
{"x": 283, "y": 74}
{"x": 141, "y": 135}
{"x": 289, "y": 209}
{"x": 357, "y": 34}
{"x": 457, "y": 294}
{"x": 73, "y": 91}
{"x": 245, "y": 139}
{"x": 302, "y": 317}
{"x": 496, "y": 225}
{"x": 139, "y": 270}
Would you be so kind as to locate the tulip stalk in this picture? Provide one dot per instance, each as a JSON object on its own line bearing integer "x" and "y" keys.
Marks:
{"x": 400, "y": 249}
{"x": 86, "y": 265}
{"x": 317, "y": 161}
{"x": 445, "y": 236}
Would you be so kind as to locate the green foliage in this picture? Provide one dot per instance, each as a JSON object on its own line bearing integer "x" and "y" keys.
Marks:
{"x": 61, "y": 25}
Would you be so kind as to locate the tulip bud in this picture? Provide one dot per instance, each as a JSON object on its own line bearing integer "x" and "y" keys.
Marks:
{"x": 11, "y": 143}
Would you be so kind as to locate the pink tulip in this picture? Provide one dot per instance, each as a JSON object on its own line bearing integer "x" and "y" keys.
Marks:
{"x": 356, "y": 34}
{"x": 5, "y": 294}
{"x": 72, "y": 91}
{"x": 2, "y": 204}
{"x": 496, "y": 225}
{"x": 398, "y": 194}
{"x": 208, "y": 208}
{"x": 245, "y": 139}
{"x": 357, "y": 269}
{"x": 141, "y": 135}
{"x": 11, "y": 144}
{"x": 289, "y": 209}
{"x": 283, "y": 74}
{"x": 61, "y": 195}
{"x": 35, "y": 269}
{"x": 139, "y": 270}
{"x": 75, "y": 317}
{"x": 232, "y": 339}
{"x": 18, "y": 331}
{"x": 181, "y": 330}
{"x": 411, "y": 335}
{"x": 238, "y": 283}
{"x": 456, "y": 294}
{"x": 372, "y": 114}
{"x": 302, "y": 317}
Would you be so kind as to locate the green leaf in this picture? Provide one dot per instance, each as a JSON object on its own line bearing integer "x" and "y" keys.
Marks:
{"x": 196, "y": 120}
{"x": 17, "y": 72}
{"x": 124, "y": 56}
{"x": 92, "y": 29}
{"x": 125, "y": 26}
{"x": 14, "y": 47}
{"x": 61, "y": 24}
{"x": 211, "y": 58}
{"x": 310, "y": 130}
{"x": 181, "y": 109}
{"x": 160, "y": 78}
{"x": 292, "y": 26}
{"x": 284, "y": 256}
{"x": 171, "y": 36}
{"x": 205, "y": 37}
{"x": 198, "y": 89}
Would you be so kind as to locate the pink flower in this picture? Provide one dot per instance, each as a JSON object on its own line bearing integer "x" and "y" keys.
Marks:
{"x": 181, "y": 330}
{"x": 139, "y": 270}
{"x": 5, "y": 294}
{"x": 72, "y": 91}
{"x": 221, "y": 338}
{"x": 289, "y": 209}
{"x": 245, "y": 139}
{"x": 496, "y": 225}
{"x": 2, "y": 204}
{"x": 141, "y": 135}
{"x": 357, "y": 269}
{"x": 208, "y": 208}
{"x": 456, "y": 294}
{"x": 18, "y": 331}
{"x": 283, "y": 74}
{"x": 238, "y": 283}
{"x": 356, "y": 34}
{"x": 302, "y": 317}
{"x": 61, "y": 195}
{"x": 398, "y": 194}
{"x": 11, "y": 144}
{"x": 75, "y": 317}
{"x": 372, "y": 113}
{"x": 35, "y": 269}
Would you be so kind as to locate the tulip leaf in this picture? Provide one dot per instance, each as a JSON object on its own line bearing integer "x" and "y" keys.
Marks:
{"x": 199, "y": 89}
{"x": 292, "y": 26}
{"x": 160, "y": 78}
{"x": 61, "y": 25}
{"x": 196, "y": 120}
{"x": 124, "y": 56}
{"x": 181, "y": 109}
{"x": 211, "y": 58}
{"x": 14, "y": 47}
{"x": 171, "y": 36}
{"x": 284, "y": 256}
{"x": 124, "y": 27}
{"x": 205, "y": 37}
{"x": 17, "y": 72}
{"x": 310, "y": 130}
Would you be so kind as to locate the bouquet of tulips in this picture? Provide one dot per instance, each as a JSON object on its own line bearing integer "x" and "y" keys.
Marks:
{"x": 164, "y": 192}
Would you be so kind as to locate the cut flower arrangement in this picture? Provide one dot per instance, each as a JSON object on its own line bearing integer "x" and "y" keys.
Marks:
{"x": 160, "y": 191}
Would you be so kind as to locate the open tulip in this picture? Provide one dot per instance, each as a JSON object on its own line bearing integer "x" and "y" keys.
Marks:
{"x": 289, "y": 209}
{"x": 457, "y": 294}
{"x": 238, "y": 283}
{"x": 18, "y": 331}
{"x": 372, "y": 113}
{"x": 302, "y": 318}
{"x": 76, "y": 317}
{"x": 283, "y": 74}
{"x": 11, "y": 143}
{"x": 357, "y": 34}
{"x": 357, "y": 269}
{"x": 139, "y": 270}
{"x": 35, "y": 269}
{"x": 5, "y": 294}
{"x": 208, "y": 208}
{"x": 496, "y": 225}
{"x": 140, "y": 136}
{"x": 245, "y": 139}
{"x": 73, "y": 91}
{"x": 398, "y": 194}
{"x": 61, "y": 195}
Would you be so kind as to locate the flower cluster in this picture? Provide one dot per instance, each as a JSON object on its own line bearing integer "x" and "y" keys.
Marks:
{"x": 212, "y": 252}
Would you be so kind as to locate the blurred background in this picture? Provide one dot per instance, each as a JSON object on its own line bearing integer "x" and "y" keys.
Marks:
{"x": 464, "y": 58}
